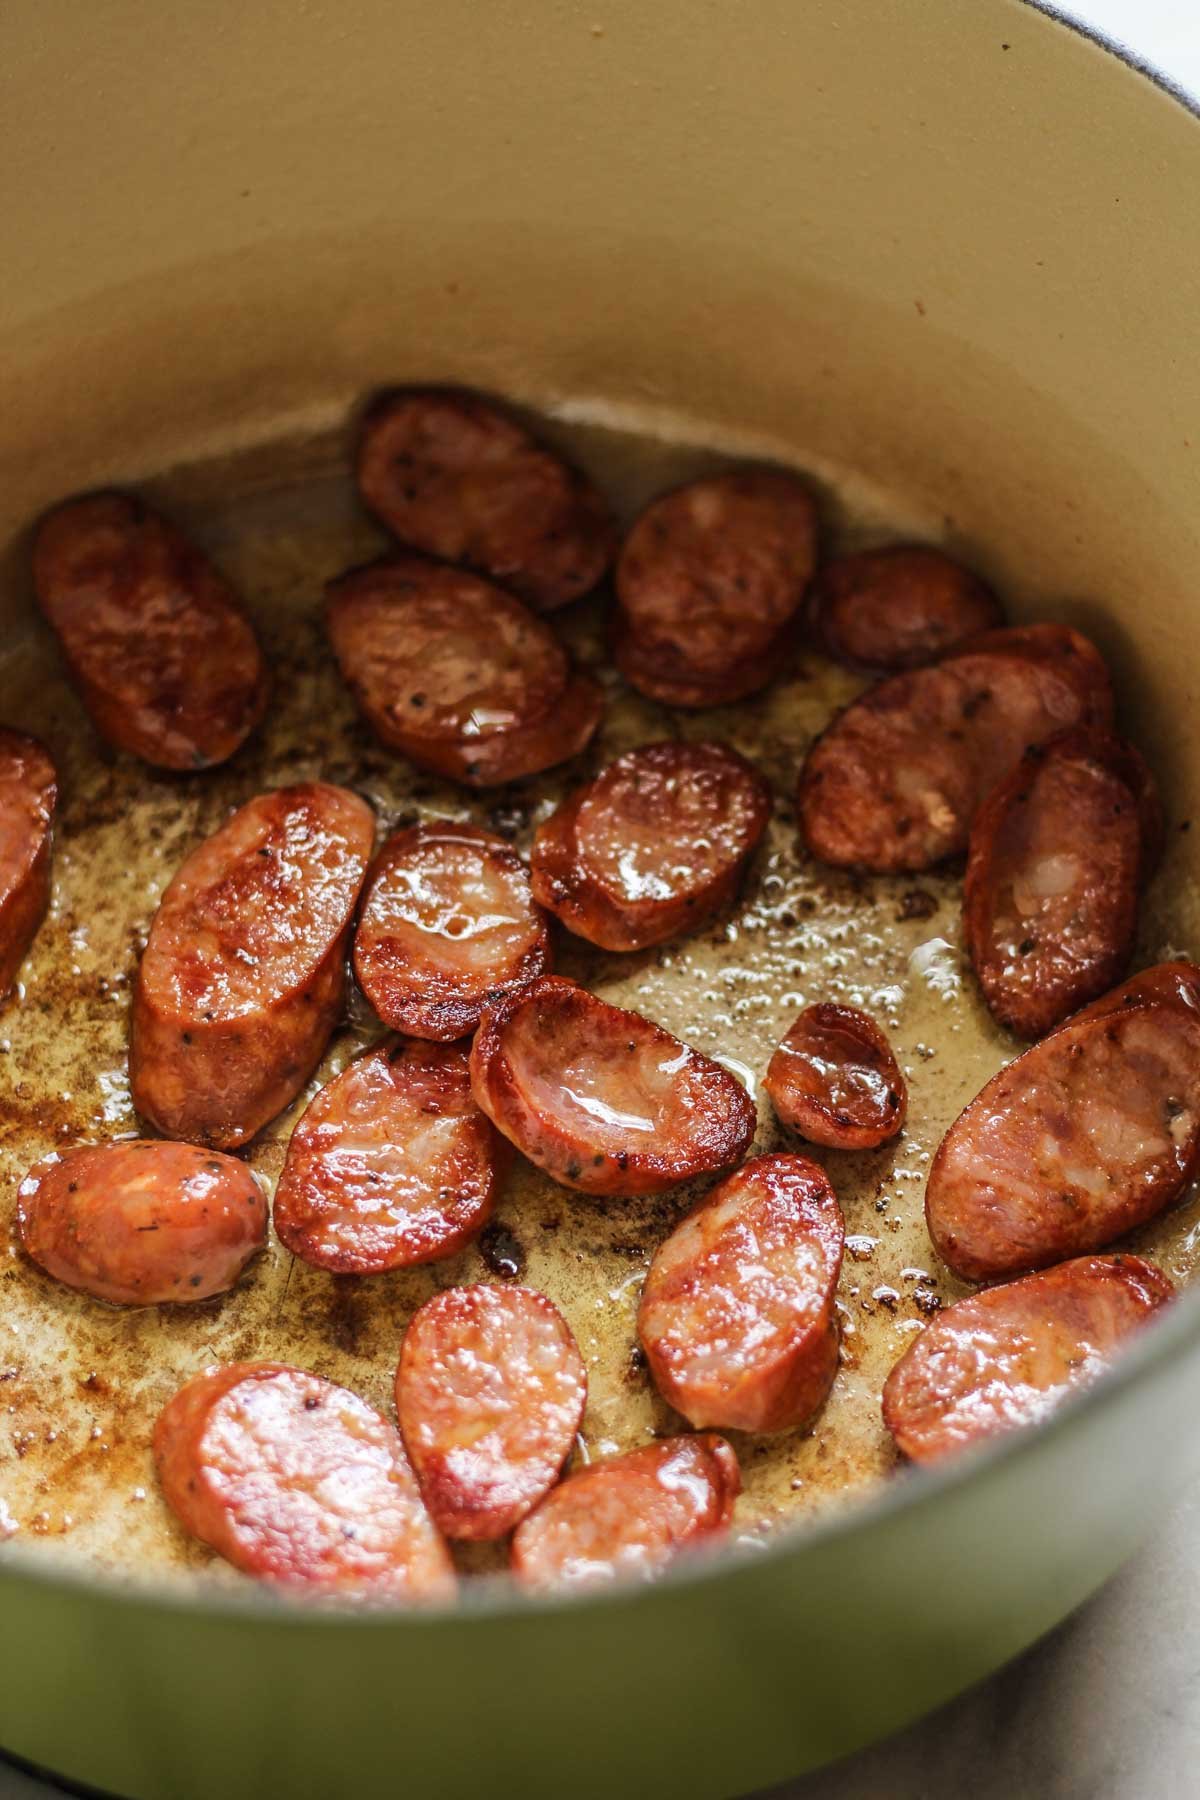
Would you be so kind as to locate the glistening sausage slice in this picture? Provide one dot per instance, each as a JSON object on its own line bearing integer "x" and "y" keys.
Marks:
{"x": 142, "y": 1222}
{"x": 896, "y": 780}
{"x": 165, "y": 659}
{"x": 291, "y": 1478}
{"x": 1009, "y": 1356}
{"x": 1089, "y": 1133}
{"x": 655, "y": 845}
{"x": 28, "y": 793}
{"x": 447, "y": 921}
{"x": 628, "y": 1516}
{"x": 737, "y": 1314}
{"x": 899, "y": 607}
{"x": 490, "y": 1392}
{"x": 244, "y": 972}
{"x": 392, "y": 1163}
{"x": 835, "y": 1080}
{"x": 455, "y": 475}
{"x": 600, "y": 1098}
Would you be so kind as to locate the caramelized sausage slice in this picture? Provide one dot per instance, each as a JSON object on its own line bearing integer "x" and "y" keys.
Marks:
{"x": 490, "y": 1392}
{"x": 142, "y": 1222}
{"x": 655, "y": 845}
{"x": 447, "y": 921}
{"x": 899, "y": 607}
{"x": 896, "y": 780}
{"x": 244, "y": 972}
{"x": 28, "y": 794}
{"x": 455, "y": 475}
{"x": 164, "y": 657}
{"x": 835, "y": 1080}
{"x": 600, "y": 1098}
{"x": 392, "y": 1164}
{"x": 1089, "y": 1133}
{"x": 1009, "y": 1356}
{"x": 1057, "y": 854}
{"x": 293, "y": 1479}
{"x": 737, "y": 1315}
{"x": 628, "y": 1516}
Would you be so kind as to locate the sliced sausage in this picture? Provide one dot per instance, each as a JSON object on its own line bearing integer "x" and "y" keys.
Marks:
{"x": 737, "y": 1314}
{"x": 1089, "y": 1133}
{"x": 655, "y": 845}
{"x": 1057, "y": 854}
{"x": 293, "y": 1479}
{"x": 665, "y": 679}
{"x": 600, "y": 1098}
{"x": 244, "y": 973}
{"x": 835, "y": 1080}
{"x": 392, "y": 1163}
{"x": 896, "y": 780}
{"x": 899, "y": 607}
{"x": 447, "y": 921}
{"x": 164, "y": 657}
{"x": 28, "y": 795}
{"x": 455, "y": 475}
{"x": 1009, "y": 1356}
{"x": 490, "y": 1392}
{"x": 628, "y": 1516}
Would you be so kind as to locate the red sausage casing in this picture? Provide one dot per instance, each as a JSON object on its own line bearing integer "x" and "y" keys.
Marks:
{"x": 835, "y": 1080}
{"x": 28, "y": 794}
{"x": 899, "y": 607}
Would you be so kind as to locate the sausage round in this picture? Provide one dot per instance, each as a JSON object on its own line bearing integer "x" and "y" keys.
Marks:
{"x": 835, "y": 1080}
{"x": 655, "y": 845}
{"x": 737, "y": 1314}
{"x": 392, "y": 1163}
{"x": 456, "y": 476}
{"x": 894, "y": 783}
{"x": 243, "y": 976}
{"x": 28, "y": 795}
{"x": 164, "y": 657}
{"x": 628, "y": 1516}
{"x": 142, "y": 1222}
{"x": 293, "y": 1479}
{"x": 1087, "y": 1134}
{"x": 899, "y": 607}
{"x": 600, "y": 1098}
{"x": 490, "y": 1392}
{"x": 1009, "y": 1356}
{"x": 447, "y": 921}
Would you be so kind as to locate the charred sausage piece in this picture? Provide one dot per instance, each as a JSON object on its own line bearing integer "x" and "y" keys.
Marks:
{"x": 1009, "y": 1356}
{"x": 28, "y": 795}
{"x": 663, "y": 678}
{"x": 835, "y": 1080}
{"x": 300, "y": 1482}
{"x": 244, "y": 973}
{"x": 143, "y": 1222}
{"x": 164, "y": 657}
{"x": 447, "y": 921}
{"x": 1089, "y": 1133}
{"x": 628, "y": 1516}
{"x": 1057, "y": 855}
{"x": 655, "y": 845}
{"x": 899, "y": 607}
{"x": 600, "y": 1098}
{"x": 737, "y": 1315}
{"x": 490, "y": 1392}
{"x": 391, "y": 1165}
{"x": 896, "y": 780}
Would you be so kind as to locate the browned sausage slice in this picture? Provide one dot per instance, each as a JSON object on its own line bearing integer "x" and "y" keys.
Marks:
{"x": 896, "y": 780}
{"x": 1057, "y": 854}
{"x": 899, "y": 607}
{"x": 165, "y": 659}
{"x": 490, "y": 1391}
{"x": 600, "y": 1098}
{"x": 737, "y": 1314}
{"x": 447, "y": 921}
{"x": 392, "y": 1163}
{"x": 835, "y": 1080}
{"x": 1009, "y": 1356}
{"x": 1089, "y": 1133}
{"x": 244, "y": 972}
{"x": 28, "y": 794}
{"x": 456, "y": 476}
{"x": 293, "y": 1479}
{"x": 655, "y": 845}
